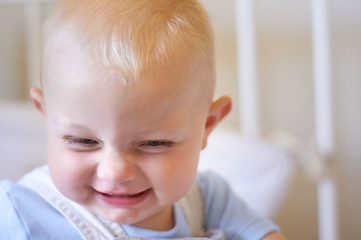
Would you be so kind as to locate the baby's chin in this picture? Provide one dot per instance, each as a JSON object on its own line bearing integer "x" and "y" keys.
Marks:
{"x": 157, "y": 220}
{"x": 120, "y": 215}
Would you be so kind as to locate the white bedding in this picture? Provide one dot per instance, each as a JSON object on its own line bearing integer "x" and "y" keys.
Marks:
{"x": 257, "y": 170}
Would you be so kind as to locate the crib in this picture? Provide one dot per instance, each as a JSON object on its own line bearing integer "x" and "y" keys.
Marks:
{"x": 266, "y": 163}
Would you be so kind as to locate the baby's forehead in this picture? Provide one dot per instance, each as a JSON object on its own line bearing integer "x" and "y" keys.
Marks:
{"x": 64, "y": 67}
{"x": 67, "y": 63}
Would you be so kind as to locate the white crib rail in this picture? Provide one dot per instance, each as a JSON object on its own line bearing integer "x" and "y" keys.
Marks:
{"x": 327, "y": 197}
{"x": 247, "y": 68}
{"x": 327, "y": 201}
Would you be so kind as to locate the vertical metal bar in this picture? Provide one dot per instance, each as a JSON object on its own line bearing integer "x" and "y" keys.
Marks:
{"x": 322, "y": 78}
{"x": 247, "y": 67}
{"x": 327, "y": 209}
{"x": 327, "y": 197}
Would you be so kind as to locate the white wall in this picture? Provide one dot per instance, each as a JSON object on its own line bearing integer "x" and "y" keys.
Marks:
{"x": 285, "y": 75}
{"x": 11, "y": 53}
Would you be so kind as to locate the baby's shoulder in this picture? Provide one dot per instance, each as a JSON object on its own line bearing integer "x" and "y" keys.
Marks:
{"x": 225, "y": 210}
{"x": 11, "y": 222}
{"x": 5, "y": 185}
{"x": 26, "y": 214}
{"x": 16, "y": 193}
{"x": 211, "y": 182}
{"x": 9, "y": 188}
{"x": 19, "y": 201}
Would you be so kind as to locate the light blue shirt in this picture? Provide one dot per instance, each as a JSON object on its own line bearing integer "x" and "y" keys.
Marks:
{"x": 26, "y": 215}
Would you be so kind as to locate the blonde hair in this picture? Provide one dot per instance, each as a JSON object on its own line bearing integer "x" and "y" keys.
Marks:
{"x": 131, "y": 36}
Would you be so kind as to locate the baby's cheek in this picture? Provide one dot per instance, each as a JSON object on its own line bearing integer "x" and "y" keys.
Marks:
{"x": 72, "y": 186}
{"x": 67, "y": 171}
{"x": 176, "y": 186}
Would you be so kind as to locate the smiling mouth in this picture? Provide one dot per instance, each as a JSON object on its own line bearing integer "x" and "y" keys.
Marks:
{"x": 123, "y": 200}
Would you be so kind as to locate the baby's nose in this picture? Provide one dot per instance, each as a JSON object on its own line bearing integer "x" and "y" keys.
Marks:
{"x": 117, "y": 167}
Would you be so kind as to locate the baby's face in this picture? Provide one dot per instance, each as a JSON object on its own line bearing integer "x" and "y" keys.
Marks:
{"x": 127, "y": 151}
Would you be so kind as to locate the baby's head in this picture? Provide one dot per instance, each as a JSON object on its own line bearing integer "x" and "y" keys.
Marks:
{"x": 135, "y": 38}
{"x": 127, "y": 98}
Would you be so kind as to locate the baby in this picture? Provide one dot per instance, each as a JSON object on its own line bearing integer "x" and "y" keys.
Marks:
{"x": 127, "y": 96}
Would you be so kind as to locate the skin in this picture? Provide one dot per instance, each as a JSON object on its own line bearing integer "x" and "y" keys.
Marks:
{"x": 118, "y": 149}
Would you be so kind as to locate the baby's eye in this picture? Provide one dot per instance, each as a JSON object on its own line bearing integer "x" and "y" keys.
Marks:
{"x": 84, "y": 142}
{"x": 158, "y": 143}
{"x": 156, "y": 146}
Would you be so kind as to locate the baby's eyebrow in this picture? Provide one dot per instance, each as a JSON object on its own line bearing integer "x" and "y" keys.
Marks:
{"x": 174, "y": 133}
{"x": 70, "y": 125}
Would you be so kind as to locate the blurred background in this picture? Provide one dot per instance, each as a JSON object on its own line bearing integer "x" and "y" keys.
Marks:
{"x": 285, "y": 75}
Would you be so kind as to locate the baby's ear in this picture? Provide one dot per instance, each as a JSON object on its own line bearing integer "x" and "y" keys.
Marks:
{"x": 219, "y": 109}
{"x": 37, "y": 98}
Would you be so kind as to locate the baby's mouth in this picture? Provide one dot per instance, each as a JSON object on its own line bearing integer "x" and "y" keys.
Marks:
{"x": 123, "y": 199}
{"x": 121, "y": 195}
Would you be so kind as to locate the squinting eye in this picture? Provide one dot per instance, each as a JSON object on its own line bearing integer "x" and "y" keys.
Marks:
{"x": 158, "y": 143}
{"x": 83, "y": 141}
{"x": 156, "y": 146}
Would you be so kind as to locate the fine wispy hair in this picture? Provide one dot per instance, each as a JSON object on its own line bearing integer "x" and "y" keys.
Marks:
{"x": 131, "y": 36}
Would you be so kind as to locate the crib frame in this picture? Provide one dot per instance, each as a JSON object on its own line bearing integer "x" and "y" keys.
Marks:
{"x": 249, "y": 110}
